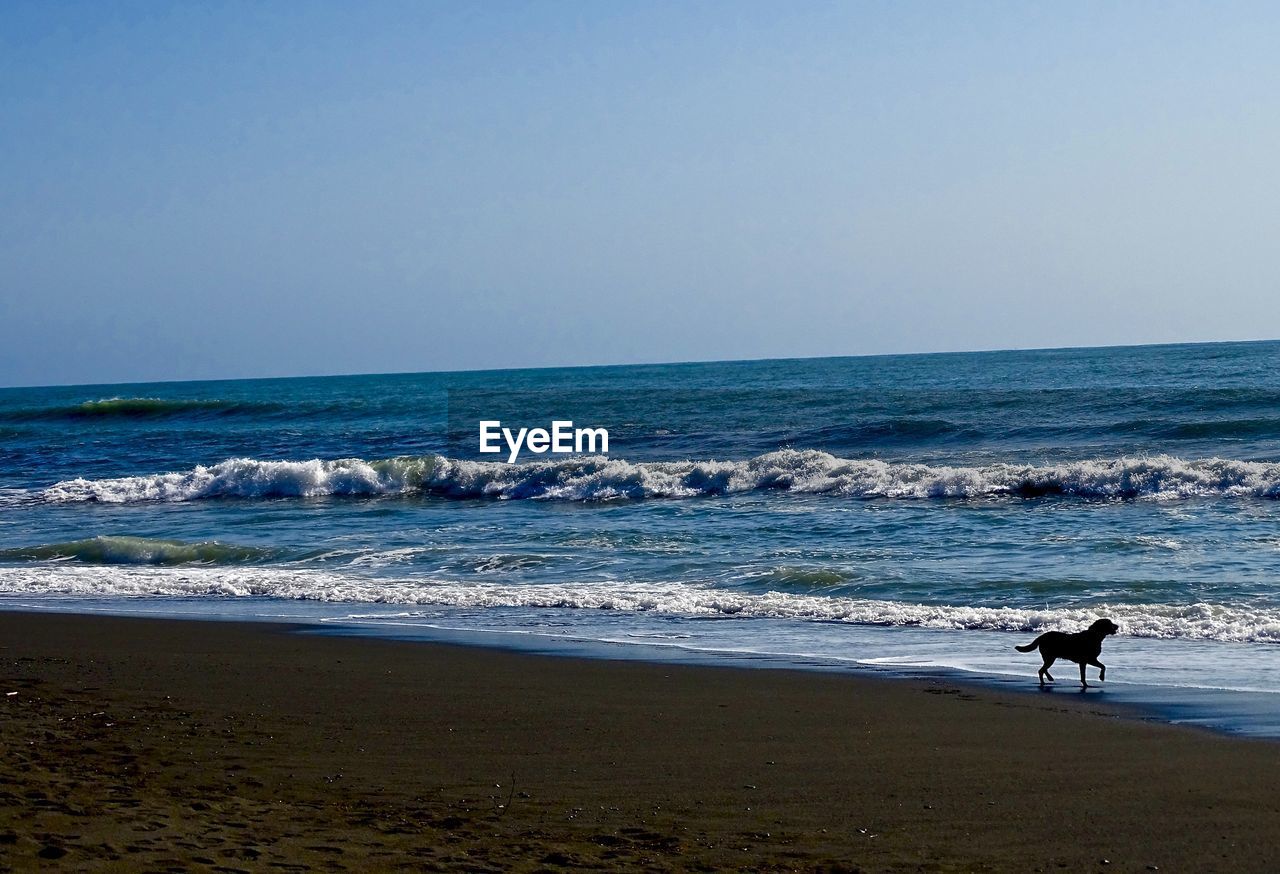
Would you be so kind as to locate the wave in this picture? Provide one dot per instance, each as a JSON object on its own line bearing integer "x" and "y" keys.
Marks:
{"x": 140, "y": 550}
{"x": 141, "y": 408}
{"x": 789, "y": 577}
{"x": 1200, "y": 621}
{"x": 597, "y": 478}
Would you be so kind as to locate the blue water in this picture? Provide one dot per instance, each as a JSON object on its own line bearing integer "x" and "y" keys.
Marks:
{"x": 906, "y": 511}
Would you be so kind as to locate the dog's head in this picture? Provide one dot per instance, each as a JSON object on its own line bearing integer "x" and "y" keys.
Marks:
{"x": 1103, "y": 627}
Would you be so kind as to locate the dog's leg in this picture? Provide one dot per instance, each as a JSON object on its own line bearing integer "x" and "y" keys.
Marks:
{"x": 1044, "y": 670}
{"x": 1083, "y": 681}
{"x": 1102, "y": 670}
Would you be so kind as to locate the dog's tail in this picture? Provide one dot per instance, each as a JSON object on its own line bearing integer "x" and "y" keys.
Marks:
{"x": 1032, "y": 645}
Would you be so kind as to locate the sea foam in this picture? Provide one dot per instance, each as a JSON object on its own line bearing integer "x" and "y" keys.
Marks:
{"x": 598, "y": 478}
{"x": 1196, "y": 621}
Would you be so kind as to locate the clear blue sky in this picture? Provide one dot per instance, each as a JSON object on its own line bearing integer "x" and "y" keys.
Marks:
{"x": 226, "y": 189}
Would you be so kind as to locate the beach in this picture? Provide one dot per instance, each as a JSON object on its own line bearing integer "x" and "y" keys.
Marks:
{"x": 170, "y": 744}
{"x": 651, "y": 437}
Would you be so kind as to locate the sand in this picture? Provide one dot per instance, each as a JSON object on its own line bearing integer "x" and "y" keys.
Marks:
{"x": 140, "y": 744}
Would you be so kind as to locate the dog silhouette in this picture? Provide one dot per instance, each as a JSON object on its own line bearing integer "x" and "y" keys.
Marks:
{"x": 1083, "y": 648}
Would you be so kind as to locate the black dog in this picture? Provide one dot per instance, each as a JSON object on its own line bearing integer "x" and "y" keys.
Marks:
{"x": 1084, "y": 647}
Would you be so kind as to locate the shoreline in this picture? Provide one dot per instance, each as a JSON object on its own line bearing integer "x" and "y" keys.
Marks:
{"x": 163, "y": 742}
{"x": 1235, "y": 712}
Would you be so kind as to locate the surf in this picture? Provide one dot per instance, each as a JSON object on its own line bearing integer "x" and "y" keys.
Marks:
{"x": 1195, "y": 621}
{"x": 600, "y": 479}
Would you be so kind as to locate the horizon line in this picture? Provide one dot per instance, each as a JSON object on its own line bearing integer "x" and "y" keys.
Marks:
{"x": 681, "y": 363}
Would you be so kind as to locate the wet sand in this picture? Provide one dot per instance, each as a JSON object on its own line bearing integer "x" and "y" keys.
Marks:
{"x": 153, "y": 744}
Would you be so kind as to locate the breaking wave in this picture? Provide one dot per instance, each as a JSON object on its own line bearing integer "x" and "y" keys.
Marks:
{"x": 1200, "y": 621}
{"x": 597, "y": 478}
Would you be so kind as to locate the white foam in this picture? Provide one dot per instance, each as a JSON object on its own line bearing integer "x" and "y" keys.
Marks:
{"x": 1199, "y": 621}
{"x": 597, "y": 478}
{"x": 250, "y": 478}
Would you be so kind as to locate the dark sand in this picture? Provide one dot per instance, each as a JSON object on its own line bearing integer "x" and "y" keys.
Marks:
{"x": 138, "y": 744}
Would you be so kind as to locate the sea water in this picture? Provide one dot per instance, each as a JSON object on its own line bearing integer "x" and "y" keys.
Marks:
{"x": 899, "y": 512}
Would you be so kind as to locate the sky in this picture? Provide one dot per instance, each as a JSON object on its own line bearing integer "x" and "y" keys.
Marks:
{"x": 227, "y": 190}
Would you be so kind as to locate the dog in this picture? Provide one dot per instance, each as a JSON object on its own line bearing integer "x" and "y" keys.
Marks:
{"x": 1083, "y": 647}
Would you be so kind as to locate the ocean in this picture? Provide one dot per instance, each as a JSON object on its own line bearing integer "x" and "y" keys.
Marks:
{"x": 912, "y": 513}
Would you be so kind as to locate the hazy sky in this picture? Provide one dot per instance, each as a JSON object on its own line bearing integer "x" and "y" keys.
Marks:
{"x": 225, "y": 190}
